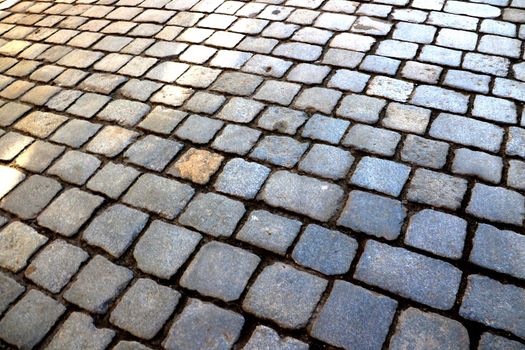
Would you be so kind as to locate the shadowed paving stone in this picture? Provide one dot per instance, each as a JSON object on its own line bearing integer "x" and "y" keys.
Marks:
{"x": 266, "y": 338}
{"x": 213, "y": 214}
{"x": 350, "y": 307}
{"x": 55, "y": 265}
{"x": 269, "y": 231}
{"x": 130, "y": 345}
{"x": 159, "y": 195}
{"x": 17, "y": 243}
{"x": 11, "y": 111}
{"x": 437, "y": 189}
{"x": 420, "y": 330}
{"x": 10, "y": 178}
{"x": 196, "y": 165}
{"x": 497, "y": 204}
{"x": 28, "y": 199}
{"x": 494, "y": 304}
{"x": 69, "y": 211}
{"x": 413, "y": 276}
{"x": 9, "y": 291}
{"x": 124, "y": 112}
{"x": 88, "y": 105}
{"x": 144, "y": 308}
{"x": 163, "y": 249}
{"x": 98, "y": 284}
{"x": 361, "y": 213}
{"x": 79, "y": 332}
{"x": 152, "y": 152}
{"x": 490, "y": 341}
{"x": 499, "y": 250}
{"x": 241, "y": 178}
{"x": 436, "y": 232}
{"x": 75, "y": 133}
{"x": 27, "y": 323}
{"x": 284, "y": 295}
{"x": 112, "y": 179}
{"x": 301, "y": 194}
{"x": 327, "y": 251}
{"x": 11, "y": 144}
{"x": 381, "y": 175}
{"x": 75, "y": 167}
{"x": 327, "y": 161}
{"x": 115, "y": 229}
{"x": 204, "y": 326}
{"x": 220, "y": 271}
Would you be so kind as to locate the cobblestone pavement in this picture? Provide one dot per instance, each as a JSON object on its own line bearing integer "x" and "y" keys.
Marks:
{"x": 272, "y": 174}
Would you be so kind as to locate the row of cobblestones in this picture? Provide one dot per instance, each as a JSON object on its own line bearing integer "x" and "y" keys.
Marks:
{"x": 268, "y": 174}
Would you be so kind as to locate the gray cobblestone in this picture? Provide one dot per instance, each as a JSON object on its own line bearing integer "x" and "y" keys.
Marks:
{"x": 374, "y": 140}
{"x": 482, "y": 165}
{"x": 266, "y": 338}
{"x": 361, "y": 108}
{"x": 436, "y": 189}
{"x": 381, "y": 175}
{"x": 490, "y": 341}
{"x": 241, "y": 178}
{"x": 497, "y": 204}
{"x": 10, "y": 290}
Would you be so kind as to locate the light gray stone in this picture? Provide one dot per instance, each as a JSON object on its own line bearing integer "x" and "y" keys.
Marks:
{"x": 18, "y": 242}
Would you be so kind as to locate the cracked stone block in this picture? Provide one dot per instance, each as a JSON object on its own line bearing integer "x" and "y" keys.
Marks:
{"x": 11, "y": 144}
{"x": 240, "y": 110}
{"x": 491, "y": 341}
{"x": 152, "y": 152}
{"x": 144, "y": 308}
{"x": 425, "y": 152}
{"x": 213, "y": 214}
{"x": 241, "y": 178}
{"x": 28, "y": 199}
{"x": 417, "y": 277}
{"x": 494, "y": 304}
{"x": 322, "y": 128}
{"x": 420, "y": 330}
{"x": 236, "y": 139}
{"x": 79, "y": 332}
{"x": 327, "y": 251}
{"x": 199, "y": 129}
{"x": 75, "y": 133}
{"x": 318, "y": 99}
{"x": 10, "y": 290}
{"x": 196, "y": 165}
{"x": 266, "y": 338}
{"x": 279, "y": 150}
{"x": 327, "y": 161}
{"x": 499, "y": 250}
{"x": 115, "y": 229}
{"x": 159, "y": 195}
{"x": 269, "y": 231}
{"x": 204, "y": 326}
{"x": 75, "y": 167}
{"x": 381, "y": 175}
{"x": 317, "y": 199}
{"x": 436, "y": 232}
{"x": 367, "y": 313}
{"x": 28, "y": 322}
{"x": 361, "y": 214}
{"x": 69, "y": 211}
{"x": 124, "y": 112}
{"x": 281, "y": 119}
{"x": 497, "y": 204}
{"x": 113, "y": 179}
{"x": 97, "y": 285}
{"x": 373, "y": 140}
{"x": 220, "y": 271}
{"x": 284, "y": 295}
{"x": 361, "y": 108}
{"x": 436, "y": 189}
{"x": 164, "y": 248}
{"x": 54, "y": 266}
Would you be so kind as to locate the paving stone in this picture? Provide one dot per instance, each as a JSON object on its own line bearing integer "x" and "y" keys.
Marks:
{"x": 320, "y": 127}
{"x": 111, "y": 140}
{"x": 269, "y": 231}
{"x": 439, "y": 98}
{"x": 436, "y": 189}
{"x": 97, "y": 285}
{"x": 353, "y": 42}
{"x": 349, "y": 80}
{"x": 19, "y": 242}
{"x": 381, "y": 175}
{"x": 515, "y": 142}
{"x": 486, "y": 64}
{"x": 301, "y": 194}
{"x": 203, "y": 102}
{"x": 78, "y": 331}
{"x": 88, "y": 105}
{"x": 75, "y": 167}
{"x": 497, "y": 204}
{"x": 115, "y": 229}
{"x": 318, "y": 99}
{"x": 494, "y": 304}
{"x": 241, "y": 178}
{"x": 162, "y": 120}
{"x": 277, "y": 92}
{"x": 144, "y": 308}
{"x": 417, "y": 277}
{"x": 421, "y": 72}
{"x": 412, "y": 32}
{"x": 437, "y": 232}
{"x": 390, "y": 88}
{"x": 10, "y": 290}
{"x": 213, "y": 214}
{"x": 75, "y": 133}
{"x": 220, "y": 271}
{"x": 425, "y": 330}
{"x": 361, "y": 108}
{"x": 279, "y": 150}
{"x": 33, "y": 195}
{"x": 152, "y": 152}
{"x": 236, "y": 83}
{"x": 343, "y": 58}
{"x": 373, "y": 140}
{"x": 12, "y": 111}
{"x": 240, "y": 110}
{"x": 112, "y": 180}
{"x": 281, "y": 119}
{"x": 327, "y": 161}
{"x": 284, "y": 295}
{"x": 11, "y": 144}
{"x": 130, "y": 345}
{"x": 353, "y": 307}
{"x": 198, "y": 129}
{"x": 308, "y": 73}
{"x": 406, "y": 118}
{"x": 28, "y": 322}
{"x": 482, "y": 165}
{"x": 516, "y": 174}
{"x": 124, "y": 112}
{"x": 196, "y": 165}
{"x": 174, "y": 96}
{"x": 509, "y": 88}
{"x": 236, "y": 139}
{"x": 267, "y": 65}
{"x": 40, "y": 124}
{"x": 139, "y": 89}
{"x": 102, "y": 83}
{"x": 498, "y": 45}
{"x": 266, "y": 338}
{"x": 490, "y": 341}
{"x": 204, "y": 326}
{"x": 164, "y": 248}
{"x": 69, "y": 211}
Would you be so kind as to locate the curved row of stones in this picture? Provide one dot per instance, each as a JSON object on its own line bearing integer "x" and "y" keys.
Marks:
{"x": 273, "y": 174}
